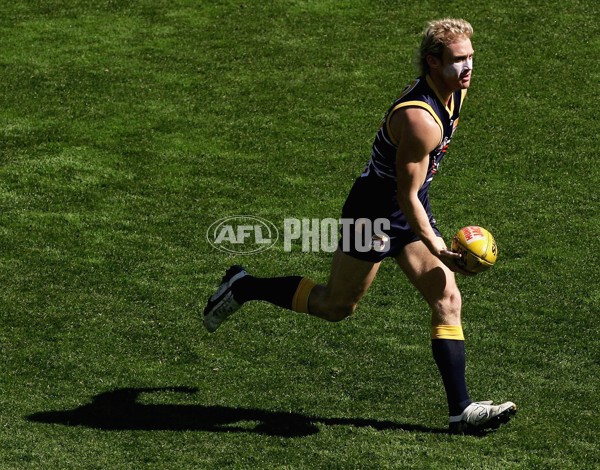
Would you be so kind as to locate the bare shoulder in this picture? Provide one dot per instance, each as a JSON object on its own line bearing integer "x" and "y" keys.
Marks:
{"x": 412, "y": 125}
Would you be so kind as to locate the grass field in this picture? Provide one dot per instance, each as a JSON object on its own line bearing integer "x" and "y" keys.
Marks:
{"x": 127, "y": 128}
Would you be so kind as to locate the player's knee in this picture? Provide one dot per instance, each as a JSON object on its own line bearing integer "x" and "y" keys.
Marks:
{"x": 338, "y": 312}
{"x": 449, "y": 305}
{"x": 333, "y": 308}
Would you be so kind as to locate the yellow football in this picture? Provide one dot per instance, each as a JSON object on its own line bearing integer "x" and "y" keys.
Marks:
{"x": 477, "y": 248}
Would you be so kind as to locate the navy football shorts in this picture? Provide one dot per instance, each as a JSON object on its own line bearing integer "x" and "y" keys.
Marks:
{"x": 373, "y": 226}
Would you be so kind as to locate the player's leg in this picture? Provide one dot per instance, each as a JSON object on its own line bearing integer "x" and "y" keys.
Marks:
{"x": 348, "y": 281}
{"x": 438, "y": 286}
{"x": 434, "y": 281}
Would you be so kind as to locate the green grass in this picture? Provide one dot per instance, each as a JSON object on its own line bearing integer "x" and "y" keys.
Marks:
{"x": 127, "y": 128}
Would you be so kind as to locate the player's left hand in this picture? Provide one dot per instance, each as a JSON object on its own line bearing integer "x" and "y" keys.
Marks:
{"x": 450, "y": 259}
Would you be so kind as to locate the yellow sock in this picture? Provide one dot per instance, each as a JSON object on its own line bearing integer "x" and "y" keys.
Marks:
{"x": 300, "y": 299}
{"x": 447, "y": 332}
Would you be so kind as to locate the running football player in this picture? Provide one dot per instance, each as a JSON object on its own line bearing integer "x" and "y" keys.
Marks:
{"x": 408, "y": 148}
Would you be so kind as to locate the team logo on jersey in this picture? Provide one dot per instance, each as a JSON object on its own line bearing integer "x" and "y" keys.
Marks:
{"x": 439, "y": 155}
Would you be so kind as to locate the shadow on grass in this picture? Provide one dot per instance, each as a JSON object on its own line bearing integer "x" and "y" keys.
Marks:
{"x": 120, "y": 410}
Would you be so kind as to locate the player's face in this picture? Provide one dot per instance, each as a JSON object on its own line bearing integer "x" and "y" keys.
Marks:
{"x": 457, "y": 64}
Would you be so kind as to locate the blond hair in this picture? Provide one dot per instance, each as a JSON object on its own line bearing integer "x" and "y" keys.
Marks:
{"x": 440, "y": 34}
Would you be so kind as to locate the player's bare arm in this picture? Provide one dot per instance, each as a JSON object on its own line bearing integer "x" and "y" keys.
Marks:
{"x": 418, "y": 134}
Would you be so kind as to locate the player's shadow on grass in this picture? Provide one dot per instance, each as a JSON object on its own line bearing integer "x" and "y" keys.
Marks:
{"x": 120, "y": 410}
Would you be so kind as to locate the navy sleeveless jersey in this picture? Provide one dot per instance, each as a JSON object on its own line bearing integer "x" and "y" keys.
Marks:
{"x": 374, "y": 195}
{"x": 421, "y": 93}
